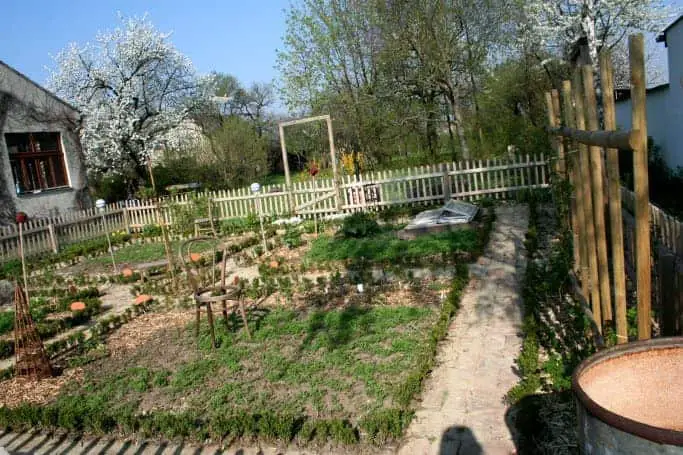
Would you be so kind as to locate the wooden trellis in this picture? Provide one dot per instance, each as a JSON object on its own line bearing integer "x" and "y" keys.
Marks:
{"x": 30, "y": 357}
{"x": 585, "y": 170}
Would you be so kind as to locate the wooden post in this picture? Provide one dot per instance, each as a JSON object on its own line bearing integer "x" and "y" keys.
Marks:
{"x": 578, "y": 212}
{"x": 285, "y": 164}
{"x": 586, "y": 190}
{"x": 53, "y": 237}
{"x": 670, "y": 310}
{"x": 551, "y": 121}
{"x": 596, "y": 169}
{"x": 333, "y": 157}
{"x": 446, "y": 183}
{"x": 614, "y": 186}
{"x": 126, "y": 219}
{"x": 636, "y": 47}
{"x": 561, "y": 164}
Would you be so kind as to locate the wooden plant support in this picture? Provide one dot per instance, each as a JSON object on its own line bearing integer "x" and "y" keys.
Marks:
{"x": 30, "y": 358}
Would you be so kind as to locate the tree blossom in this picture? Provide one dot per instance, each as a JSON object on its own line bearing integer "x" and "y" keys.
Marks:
{"x": 133, "y": 88}
{"x": 564, "y": 24}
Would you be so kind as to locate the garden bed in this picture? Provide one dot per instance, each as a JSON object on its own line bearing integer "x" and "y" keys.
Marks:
{"x": 329, "y": 361}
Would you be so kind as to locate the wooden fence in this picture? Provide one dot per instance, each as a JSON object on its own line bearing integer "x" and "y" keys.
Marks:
{"x": 616, "y": 233}
{"x": 667, "y": 262}
{"x": 374, "y": 191}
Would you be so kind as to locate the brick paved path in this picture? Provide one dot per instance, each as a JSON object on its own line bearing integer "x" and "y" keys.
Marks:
{"x": 462, "y": 410}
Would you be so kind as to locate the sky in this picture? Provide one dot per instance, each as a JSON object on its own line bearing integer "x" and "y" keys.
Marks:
{"x": 239, "y": 37}
{"x": 236, "y": 37}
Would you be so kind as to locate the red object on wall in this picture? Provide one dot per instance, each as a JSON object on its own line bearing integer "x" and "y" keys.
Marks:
{"x": 313, "y": 170}
{"x": 21, "y": 217}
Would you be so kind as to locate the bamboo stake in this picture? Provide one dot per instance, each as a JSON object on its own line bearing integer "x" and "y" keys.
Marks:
{"x": 578, "y": 211}
{"x": 641, "y": 185}
{"x": 589, "y": 229}
{"x": 616, "y": 226}
{"x": 598, "y": 195}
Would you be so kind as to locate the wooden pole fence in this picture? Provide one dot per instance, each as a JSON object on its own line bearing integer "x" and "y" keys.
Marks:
{"x": 622, "y": 140}
{"x": 586, "y": 174}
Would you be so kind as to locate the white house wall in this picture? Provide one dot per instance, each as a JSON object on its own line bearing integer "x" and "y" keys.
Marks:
{"x": 49, "y": 202}
{"x": 657, "y": 123}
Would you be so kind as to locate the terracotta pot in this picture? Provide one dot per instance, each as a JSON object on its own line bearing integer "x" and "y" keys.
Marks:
{"x": 77, "y": 306}
{"x": 142, "y": 299}
{"x": 195, "y": 257}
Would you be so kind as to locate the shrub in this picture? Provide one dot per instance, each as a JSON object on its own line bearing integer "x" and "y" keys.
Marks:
{"x": 151, "y": 231}
{"x": 359, "y": 225}
{"x": 292, "y": 237}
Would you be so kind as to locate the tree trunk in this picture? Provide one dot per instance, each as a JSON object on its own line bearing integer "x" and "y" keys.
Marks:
{"x": 460, "y": 131}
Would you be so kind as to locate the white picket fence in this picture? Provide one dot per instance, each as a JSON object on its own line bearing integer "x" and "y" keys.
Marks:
{"x": 466, "y": 180}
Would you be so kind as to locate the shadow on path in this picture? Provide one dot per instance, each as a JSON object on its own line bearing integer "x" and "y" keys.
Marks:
{"x": 459, "y": 440}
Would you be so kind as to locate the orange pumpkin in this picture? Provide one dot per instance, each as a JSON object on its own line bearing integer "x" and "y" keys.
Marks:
{"x": 274, "y": 264}
{"x": 127, "y": 272}
{"x": 195, "y": 257}
{"x": 77, "y": 306}
{"x": 142, "y": 299}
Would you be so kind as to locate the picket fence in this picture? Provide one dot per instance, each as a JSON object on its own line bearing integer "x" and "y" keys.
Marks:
{"x": 466, "y": 180}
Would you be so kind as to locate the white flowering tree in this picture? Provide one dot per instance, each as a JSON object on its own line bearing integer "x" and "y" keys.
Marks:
{"x": 135, "y": 91}
{"x": 565, "y": 25}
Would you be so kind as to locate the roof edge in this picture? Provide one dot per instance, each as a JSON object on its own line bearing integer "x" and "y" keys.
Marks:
{"x": 39, "y": 86}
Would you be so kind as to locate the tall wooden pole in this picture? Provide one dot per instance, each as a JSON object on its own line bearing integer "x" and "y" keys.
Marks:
{"x": 636, "y": 47}
{"x": 561, "y": 163}
{"x": 596, "y": 169}
{"x": 285, "y": 165}
{"x": 333, "y": 157}
{"x": 616, "y": 226}
{"x": 552, "y": 119}
{"x": 584, "y": 178}
{"x": 578, "y": 214}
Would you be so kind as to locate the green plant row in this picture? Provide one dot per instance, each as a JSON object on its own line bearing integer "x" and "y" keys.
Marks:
{"x": 11, "y": 270}
{"x": 77, "y": 416}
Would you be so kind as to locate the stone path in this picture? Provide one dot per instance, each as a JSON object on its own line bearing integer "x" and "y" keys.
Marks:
{"x": 462, "y": 410}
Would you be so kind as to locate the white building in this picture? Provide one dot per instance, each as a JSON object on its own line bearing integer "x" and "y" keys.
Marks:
{"x": 664, "y": 102}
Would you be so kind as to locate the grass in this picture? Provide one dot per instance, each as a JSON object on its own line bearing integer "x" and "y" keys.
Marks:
{"x": 344, "y": 363}
{"x": 145, "y": 252}
{"x": 386, "y": 247}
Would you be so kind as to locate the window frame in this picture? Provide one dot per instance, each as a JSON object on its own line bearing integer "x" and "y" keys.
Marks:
{"x": 53, "y": 159}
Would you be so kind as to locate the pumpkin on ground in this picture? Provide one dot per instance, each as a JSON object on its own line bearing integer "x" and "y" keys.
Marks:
{"x": 77, "y": 306}
{"x": 142, "y": 299}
